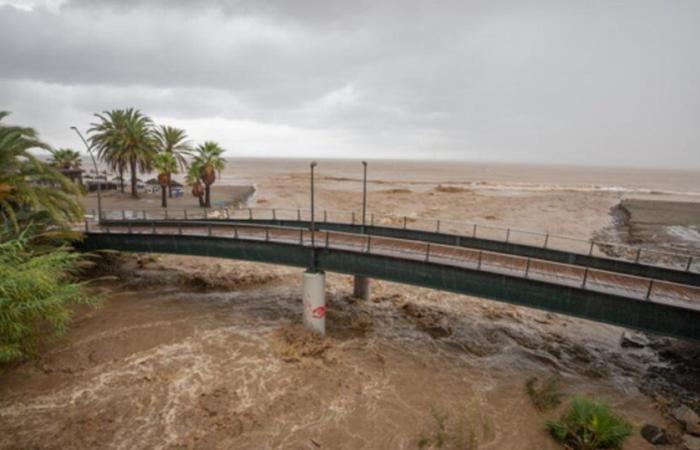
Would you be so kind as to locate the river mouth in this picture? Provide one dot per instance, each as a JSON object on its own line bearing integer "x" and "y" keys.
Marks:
{"x": 198, "y": 353}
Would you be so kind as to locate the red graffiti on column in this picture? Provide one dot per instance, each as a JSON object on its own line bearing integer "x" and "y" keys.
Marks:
{"x": 318, "y": 312}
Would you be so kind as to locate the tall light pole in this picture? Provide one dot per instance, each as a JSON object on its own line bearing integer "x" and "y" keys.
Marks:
{"x": 360, "y": 283}
{"x": 364, "y": 196}
{"x": 97, "y": 174}
{"x": 313, "y": 216}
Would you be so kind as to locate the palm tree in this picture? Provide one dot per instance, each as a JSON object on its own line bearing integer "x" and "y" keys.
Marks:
{"x": 193, "y": 180}
{"x": 65, "y": 158}
{"x": 31, "y": 190}
{"x": 166, "y": 165}
{"x": 210, "y": 162}
{"x": 131, "y": 139}
{"x": 174, "y": 141}
{"x": 106, "y": 137}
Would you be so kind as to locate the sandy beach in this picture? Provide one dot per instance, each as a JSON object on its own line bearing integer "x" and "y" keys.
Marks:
{"x": 213, "y": 355}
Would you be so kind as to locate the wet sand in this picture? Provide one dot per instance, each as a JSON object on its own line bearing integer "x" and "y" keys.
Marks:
{"x": 212, "y": 356}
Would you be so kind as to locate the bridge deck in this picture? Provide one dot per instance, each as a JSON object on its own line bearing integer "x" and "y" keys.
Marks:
{"x": 594, "y": 254}
{"x": 630, "y": 286}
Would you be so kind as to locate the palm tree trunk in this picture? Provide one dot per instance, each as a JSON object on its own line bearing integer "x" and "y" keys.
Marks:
{"x": 201, "y": 201}
{"x": 134, "y": 194}
{"x": 121, "y": 177}
{"x": 170, "y": 186}
{"x": 163, "y": 197}
{"x": 207, "y": 199}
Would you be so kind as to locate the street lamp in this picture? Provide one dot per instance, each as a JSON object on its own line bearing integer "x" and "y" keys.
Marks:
{"x": 364, "y": 196}
{"x": 97, "y": 174}
{"x": 360, "y": 283}
{"x": 313, "y": 216}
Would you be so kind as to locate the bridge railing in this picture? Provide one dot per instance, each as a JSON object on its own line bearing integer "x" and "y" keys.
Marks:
{"x": 631, "y": 286}
{"x": 591, "y": 247}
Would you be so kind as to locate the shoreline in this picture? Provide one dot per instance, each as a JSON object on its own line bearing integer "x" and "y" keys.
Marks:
{"x": 465, "y": 162}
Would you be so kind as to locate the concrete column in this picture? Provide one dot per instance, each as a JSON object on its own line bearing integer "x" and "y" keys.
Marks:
{"x": 361, "y": 287}
{"x": 314, "y": 296}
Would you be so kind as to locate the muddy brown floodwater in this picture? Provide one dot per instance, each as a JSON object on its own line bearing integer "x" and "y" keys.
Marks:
{"x": 198, "y": 353}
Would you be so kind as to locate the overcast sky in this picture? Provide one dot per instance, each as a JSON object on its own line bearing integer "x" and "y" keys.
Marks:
{"x": 583, "y": 82}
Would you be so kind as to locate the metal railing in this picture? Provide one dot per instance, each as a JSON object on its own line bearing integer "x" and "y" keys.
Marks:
{"x": 586, "y": 247}
{"x": 630, "y": 286}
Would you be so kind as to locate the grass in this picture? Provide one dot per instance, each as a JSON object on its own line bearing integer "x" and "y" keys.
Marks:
{"x": 590, "y": 425}
{"x": 544, "y": 395}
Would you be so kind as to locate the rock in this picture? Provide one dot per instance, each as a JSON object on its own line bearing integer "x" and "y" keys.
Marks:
{"x": 435, "y": 323}
{"x": 655, "y": 435}
{"x": 633, "y": 340}
{"x": 689, "y": 419}
{"x": 691, "y": 442}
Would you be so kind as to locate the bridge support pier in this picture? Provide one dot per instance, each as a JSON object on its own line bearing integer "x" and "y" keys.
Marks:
{"x": 360, "y": 287}
{"x": 314, "y": 297}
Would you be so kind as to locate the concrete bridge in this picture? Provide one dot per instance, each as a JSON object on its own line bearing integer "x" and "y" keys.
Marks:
{"x": 583, "y": 285}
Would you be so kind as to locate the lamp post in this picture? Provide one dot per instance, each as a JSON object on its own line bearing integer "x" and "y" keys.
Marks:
{"x": 364, "y": 196}
{"x": 360, "y": 283}
{"x": 97, "y": 174}
{"x": 313, "y": 222}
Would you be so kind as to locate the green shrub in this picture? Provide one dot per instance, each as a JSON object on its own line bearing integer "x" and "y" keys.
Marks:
{"x": 544, "y": 395}
{"x": 590, "y": 425}
{"x": 36, "y": 291}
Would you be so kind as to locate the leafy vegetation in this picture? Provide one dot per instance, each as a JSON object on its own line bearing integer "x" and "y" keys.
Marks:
{"x": 544, "y": 395}
{"x": 37, "y": 205}
{"x": 36, "y": 292}
{"x": 32, "y": 191}
{"x": 590, "y": 425}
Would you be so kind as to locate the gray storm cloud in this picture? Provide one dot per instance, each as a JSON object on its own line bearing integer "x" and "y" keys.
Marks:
{"x": 608, "y": 83}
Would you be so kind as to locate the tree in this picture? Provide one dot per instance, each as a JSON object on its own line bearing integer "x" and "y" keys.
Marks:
{"x": 131, "y": 136}
{"x": 31, "y": 190}
{"x": 106, "y": 137}
{"x": 193, "y": 180}
{"x": 166, "y": 165}
{"x": 65, "y": 158}
{"x": 209, "y": 161}
{"x": 174, "y": 141}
